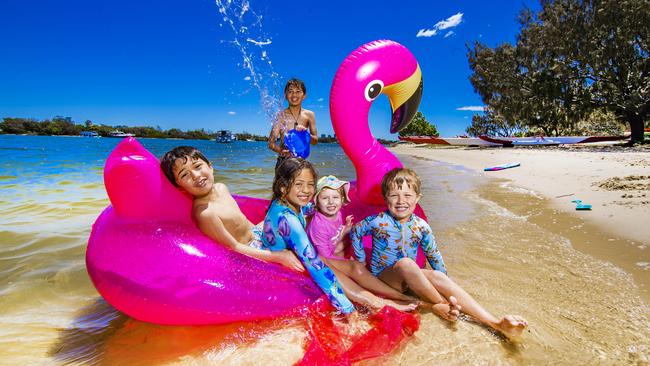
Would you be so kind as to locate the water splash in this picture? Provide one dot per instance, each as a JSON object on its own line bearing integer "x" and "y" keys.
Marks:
{"x": 250, "y": 39}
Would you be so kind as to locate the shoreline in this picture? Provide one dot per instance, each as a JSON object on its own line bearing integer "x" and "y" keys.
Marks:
{"x": 604, "y": 179}
{"x": 542, "y": 188}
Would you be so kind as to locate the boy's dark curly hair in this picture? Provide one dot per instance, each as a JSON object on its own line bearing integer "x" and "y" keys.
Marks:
{"x": 180, "y": 152}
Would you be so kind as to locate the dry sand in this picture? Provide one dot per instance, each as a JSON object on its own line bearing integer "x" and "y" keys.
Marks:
{"x": 614, "y": 180}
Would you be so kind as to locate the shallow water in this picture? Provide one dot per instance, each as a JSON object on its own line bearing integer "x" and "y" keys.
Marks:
{"x": 496, "y": 244}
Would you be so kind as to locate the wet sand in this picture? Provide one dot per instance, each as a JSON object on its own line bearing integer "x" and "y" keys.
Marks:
{"x": 615, "y": 181}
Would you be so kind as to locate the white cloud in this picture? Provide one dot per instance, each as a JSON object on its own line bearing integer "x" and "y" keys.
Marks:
{"x": 232, "y": 113}
{"x": 259, "y": 43}
{"x": 450, "y": 22}
{"x": 449, "y": 34}
{"x": 247, "y": 78}
{"x": 426, "y": 33}
{"x": 320, "y": 99}
{"x": 472, "y": 108}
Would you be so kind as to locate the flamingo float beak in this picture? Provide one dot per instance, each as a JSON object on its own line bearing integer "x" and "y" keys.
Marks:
{"x": 404, "y": 99}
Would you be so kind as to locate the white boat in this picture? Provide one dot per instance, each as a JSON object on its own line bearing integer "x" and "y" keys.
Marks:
{"x": 455, "y": 141}
{"x": 118, "y": 133}
{"x": 510, "y": 141}
{"x": 558, "y": 140}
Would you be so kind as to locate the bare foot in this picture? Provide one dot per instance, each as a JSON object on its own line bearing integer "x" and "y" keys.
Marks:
{"x": 397, "y": 304}
{"x": 511, "y": 326}
{"x": 404, "y": 305}
{"x": 449, "y": 311}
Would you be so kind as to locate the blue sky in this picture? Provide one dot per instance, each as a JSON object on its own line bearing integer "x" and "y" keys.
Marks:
{"x": 173, "y": 64}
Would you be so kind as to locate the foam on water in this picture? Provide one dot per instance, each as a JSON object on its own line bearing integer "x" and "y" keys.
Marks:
{"x": 510, "y": 186}
{"x": 494, "y": 208}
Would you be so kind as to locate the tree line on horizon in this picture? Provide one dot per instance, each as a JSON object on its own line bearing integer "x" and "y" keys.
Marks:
{"x": 576, "y": 66}
{"x": 65, "y": 126}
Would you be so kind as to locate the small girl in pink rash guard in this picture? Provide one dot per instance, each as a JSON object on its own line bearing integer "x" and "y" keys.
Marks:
{"x": 327, "y": 230}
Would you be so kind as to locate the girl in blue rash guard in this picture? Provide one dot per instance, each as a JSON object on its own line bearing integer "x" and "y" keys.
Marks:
{"x": 284, "y": 226}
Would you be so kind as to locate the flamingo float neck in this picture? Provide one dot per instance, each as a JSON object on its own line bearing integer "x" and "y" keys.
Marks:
{"x": 370, "y": 158}
{"x": 376, "y": 67}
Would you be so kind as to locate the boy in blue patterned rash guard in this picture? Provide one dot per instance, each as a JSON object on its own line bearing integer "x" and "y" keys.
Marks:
{"x": 396, "y": 235}
{"x": 284, "y": 226}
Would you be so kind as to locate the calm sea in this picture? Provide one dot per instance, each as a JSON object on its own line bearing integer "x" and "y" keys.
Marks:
{"x": 581, "y": 311}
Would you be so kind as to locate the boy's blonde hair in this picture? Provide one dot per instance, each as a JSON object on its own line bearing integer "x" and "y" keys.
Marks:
{"x": 399, "y": 176}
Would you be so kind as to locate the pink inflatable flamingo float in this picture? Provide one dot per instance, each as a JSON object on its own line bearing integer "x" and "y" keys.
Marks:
{"x": 148, "y": 259}
{"x": 377, "y": 67}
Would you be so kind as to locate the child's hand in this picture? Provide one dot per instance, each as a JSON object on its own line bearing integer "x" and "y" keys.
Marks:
{"x": 348, "y": 225}
{"x": 288, "y": 259}
{"x": 300, "y": 128}
{"x": 285, "y": 152}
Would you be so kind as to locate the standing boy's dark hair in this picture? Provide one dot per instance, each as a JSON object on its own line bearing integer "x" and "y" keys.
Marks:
{"x": 180, "y": 152}
{"x": 297, "y": 83}
{"x": 287, "y": 172}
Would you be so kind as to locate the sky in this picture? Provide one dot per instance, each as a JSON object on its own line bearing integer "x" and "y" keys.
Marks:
{"x": 188, "y": 65}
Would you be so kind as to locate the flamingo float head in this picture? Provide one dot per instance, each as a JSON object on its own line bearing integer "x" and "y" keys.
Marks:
{"x": 379, "y": 67}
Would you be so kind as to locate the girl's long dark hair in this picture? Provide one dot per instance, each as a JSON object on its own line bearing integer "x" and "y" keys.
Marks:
{"x": 287, "y": 172}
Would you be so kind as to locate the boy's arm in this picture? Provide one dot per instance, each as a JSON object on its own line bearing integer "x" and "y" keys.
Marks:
{"x": 359, "y": 230}
{"x": 273, "y": 138}
{"x": 312, "y": 128}
{"x": 296, "y": 238}
{"x": 212, "y": 226}
{"x": 431, "y": 249}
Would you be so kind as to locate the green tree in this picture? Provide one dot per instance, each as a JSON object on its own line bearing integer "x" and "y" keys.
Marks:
{"x": 523, "y": 87}
{"x": 600, "y": 122}
{"x": 13, "y": 125}
{"x": 419, "y": 126}
{"x": 498, "y": 78}
{"x": 491, "y": 124}
{"x": 571, "y": 58}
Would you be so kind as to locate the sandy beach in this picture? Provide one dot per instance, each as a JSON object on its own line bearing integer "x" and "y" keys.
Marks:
{"x": 615, "y": 182}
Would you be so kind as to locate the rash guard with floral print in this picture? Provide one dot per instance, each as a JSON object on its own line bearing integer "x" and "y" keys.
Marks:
{"x": 392, "y": 241}
{"x": 284, "y": 229}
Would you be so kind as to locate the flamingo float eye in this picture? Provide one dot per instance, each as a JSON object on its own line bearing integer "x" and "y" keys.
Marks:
{"x": 373, "y": 89}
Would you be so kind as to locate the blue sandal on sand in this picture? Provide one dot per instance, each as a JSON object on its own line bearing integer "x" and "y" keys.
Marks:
{"x": 581, "y": 206}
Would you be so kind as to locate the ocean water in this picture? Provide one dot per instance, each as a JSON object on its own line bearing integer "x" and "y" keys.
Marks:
{"x": 581, "y": 310}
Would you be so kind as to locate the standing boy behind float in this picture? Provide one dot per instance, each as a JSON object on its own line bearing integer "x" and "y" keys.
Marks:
{"x": 214, "y": 209}
{"x": 396, "y": 235}
{"x": 292, "y": 117}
